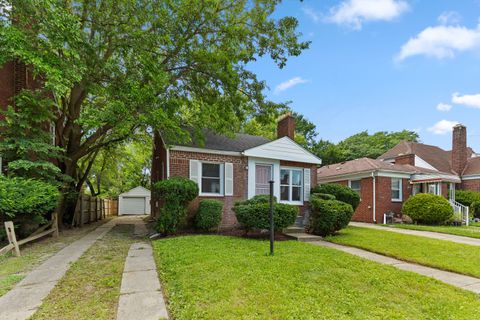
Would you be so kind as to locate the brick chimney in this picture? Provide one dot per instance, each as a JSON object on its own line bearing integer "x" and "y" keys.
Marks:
{"x": 459, "y": 148}
{"x": 286, "y": 126}
{"x": 405, "y": 159}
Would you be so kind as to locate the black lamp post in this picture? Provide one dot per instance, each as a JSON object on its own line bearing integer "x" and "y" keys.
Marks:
{"x": 272, "y": 226}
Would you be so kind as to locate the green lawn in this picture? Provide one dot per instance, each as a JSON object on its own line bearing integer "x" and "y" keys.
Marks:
{"x": 91, "y": 287}
{"x": 216, "y": 277}
{"x": 446, "y": 255}
{"x": 13, "y": 269}
{"x": 471, "y": 231}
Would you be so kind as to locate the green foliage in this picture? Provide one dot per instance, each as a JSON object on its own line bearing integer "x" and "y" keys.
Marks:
{"x": 26, "y": 145}
{"x": 258, "y": 199}
{"x": 209, "y": 214}
{"x": 466, "y": 197}
{"x": 324, "y": 196}
{"x": 341, "y": 193}
{"x": 427, "y": 208}
{"x": 328, "y": 216}
{"x": 475, "y": 209}
{"x": 255, "y": 214}
{"x": 176, "y": 193}
{"x": 361, "y": 145}
{"x": 19, "y": 196}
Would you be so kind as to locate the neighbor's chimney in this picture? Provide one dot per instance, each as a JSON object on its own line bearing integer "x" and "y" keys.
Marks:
{"x": 405, "y": 159}
{"x": 286, "y": 126}
{"x": 459, "y": 148}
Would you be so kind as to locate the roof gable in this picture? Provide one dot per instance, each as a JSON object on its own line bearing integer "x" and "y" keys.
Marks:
{"x": 283, "y": 149}
{"x": 137, "y": 191}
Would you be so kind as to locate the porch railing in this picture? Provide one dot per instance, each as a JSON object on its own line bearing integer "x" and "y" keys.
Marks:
{"x": 461, "y": 211}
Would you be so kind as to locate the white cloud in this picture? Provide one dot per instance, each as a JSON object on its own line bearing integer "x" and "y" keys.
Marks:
{"x": 312, "y": 14}
{"x": 449, "y": 17}
{"x": 289, "y": 84}
{"x": 444, "y": 107}
{"x": 355, "y": 12}
{"x": 443, "y": 127}
{"x": 441, "y": 42}
{"x": 470, "y": 100}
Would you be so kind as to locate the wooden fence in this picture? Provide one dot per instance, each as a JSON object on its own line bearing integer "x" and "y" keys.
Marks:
{"x": 90, "y": 209}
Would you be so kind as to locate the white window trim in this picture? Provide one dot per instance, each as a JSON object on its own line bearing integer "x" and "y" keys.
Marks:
{"x": 290, "y": 186}
{"x": 350, "y": 186}
{"x": 222, "y": 180}
{"x": 400, "y": 189}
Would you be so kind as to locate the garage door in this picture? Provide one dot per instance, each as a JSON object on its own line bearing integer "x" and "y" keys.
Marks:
{"x": 133, "y": 205}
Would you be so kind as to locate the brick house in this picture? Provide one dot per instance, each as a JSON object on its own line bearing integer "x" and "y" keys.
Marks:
{"x": 232, "y": 169}
{"x": 384, "y": 184}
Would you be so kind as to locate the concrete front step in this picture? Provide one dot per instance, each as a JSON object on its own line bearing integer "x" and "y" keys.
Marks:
{"x": 294, "y": 229}
{"x": 304, "y": 237}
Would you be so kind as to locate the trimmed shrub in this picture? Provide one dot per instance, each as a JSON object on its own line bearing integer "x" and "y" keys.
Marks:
{"x": 324, "y": 196}
{"x": 341, "y": 193}
{"x": 209, "y": 214}
{"x": 19, "y": 196}
{"x": 428, "y": 209}
{"x": 258, "y": 199}
{"x": 475, "y": 209}
{"x": 176, "y": 193}
{"x": 256, "y": 214}
{"x": 329, "y": 216}
{"x": 466, "y": 197}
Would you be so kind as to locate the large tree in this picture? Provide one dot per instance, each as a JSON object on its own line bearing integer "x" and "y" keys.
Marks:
{"x": 112, "y": 67}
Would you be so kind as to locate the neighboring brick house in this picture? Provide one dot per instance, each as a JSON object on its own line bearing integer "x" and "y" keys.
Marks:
{"x": 408, "y": 168}
{"x": 238, "y": 168}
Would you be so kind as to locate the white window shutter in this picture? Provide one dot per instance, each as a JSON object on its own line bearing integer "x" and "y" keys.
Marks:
{"x": 195, "y": 171}
{"x": 306, "y": 184}
{"x": 229, "y": 179}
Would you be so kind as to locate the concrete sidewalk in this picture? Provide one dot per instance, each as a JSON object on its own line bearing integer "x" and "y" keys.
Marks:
{"x": 461, "y": 281}
{"x": 426, "y": 234}
{"x": 141, "y": 295}
{"x": 26, "y": 297}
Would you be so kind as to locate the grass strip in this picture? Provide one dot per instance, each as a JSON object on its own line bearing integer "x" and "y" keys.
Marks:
{"x": 13, "y": 269}
{"x": 440, "y": 254}
{"x": 217, "y": 277}
{"x": 464, "y": 231}
{"x": 91, "y": 287}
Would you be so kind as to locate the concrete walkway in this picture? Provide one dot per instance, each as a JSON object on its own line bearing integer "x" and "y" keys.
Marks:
{"x": 141, "y": 295}
{"x": 461, "y": 281}
{"x": 26, "y": 297}
{"x": 426, "y": 234}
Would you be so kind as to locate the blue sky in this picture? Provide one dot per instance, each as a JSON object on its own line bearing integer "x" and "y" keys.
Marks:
{"x": 384, "y": 65}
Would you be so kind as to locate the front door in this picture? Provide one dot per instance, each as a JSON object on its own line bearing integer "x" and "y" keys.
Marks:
{"x": 263, "y": 174}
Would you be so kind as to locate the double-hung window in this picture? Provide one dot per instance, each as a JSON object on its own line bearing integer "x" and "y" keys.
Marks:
{"x": 356, "y": 185}
{"x": 291, "y": 185}
{"x": 212, "y": 178}
{"x": 263, "y": 175}
{"x": 396, "y": 189}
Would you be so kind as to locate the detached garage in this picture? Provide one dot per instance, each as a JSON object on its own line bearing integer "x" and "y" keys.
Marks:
{"x": 135, "y": 201}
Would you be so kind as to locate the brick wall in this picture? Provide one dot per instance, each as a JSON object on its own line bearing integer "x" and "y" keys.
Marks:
{"x": 180, "y": 166}
{"x": 7, "y": 87}
{"x": 473, "y": 185}
{"x": 384, "y": 203}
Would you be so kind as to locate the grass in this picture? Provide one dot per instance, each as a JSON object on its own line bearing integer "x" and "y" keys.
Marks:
{"x": 13, "y": 269}
{"x": 217, "y": 277}
{"x": 91, "y": 287}
{"x": 445, "y": 255}
{"x": 464, "y": 231}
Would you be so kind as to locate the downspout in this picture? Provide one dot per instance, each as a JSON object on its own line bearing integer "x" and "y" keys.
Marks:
{"x": 168, "y": 162}
{"x": 374, "y": 197}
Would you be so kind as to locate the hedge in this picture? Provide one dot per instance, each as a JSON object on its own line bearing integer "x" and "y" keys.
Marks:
{"x": 255, "y": 214}
{"x": 428, "y": 208}
{"x": 466, "y": 197}
{"x": 328, "y": 216}
{"x": 209, "y": 214}
{"x": 341, "y": 193}
{"x": 176, "y": 193}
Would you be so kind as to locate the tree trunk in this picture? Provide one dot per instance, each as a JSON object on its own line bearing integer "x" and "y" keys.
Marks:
{"x": 156, "y": 174}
